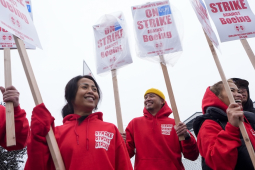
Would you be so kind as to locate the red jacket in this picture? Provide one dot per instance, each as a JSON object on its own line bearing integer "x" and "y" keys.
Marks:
{"x": 21, "y": 128}
{"x": 156, "y": 142}
{"x": 92, "y": 145}
{"x": 218, "y": 146}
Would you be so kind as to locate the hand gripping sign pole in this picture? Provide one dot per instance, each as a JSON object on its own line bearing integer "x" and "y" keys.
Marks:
{"x": 231, "y": 99}
{"x": 249, "y": 51}
{"x": 170, "y": 92}
{"x": 117, "y": 100}
{"x": 51, "y": 140}
{"x": 10, "y": 125}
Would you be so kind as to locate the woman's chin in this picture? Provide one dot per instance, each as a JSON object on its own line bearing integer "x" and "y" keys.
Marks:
{"x": 90, "y": 107}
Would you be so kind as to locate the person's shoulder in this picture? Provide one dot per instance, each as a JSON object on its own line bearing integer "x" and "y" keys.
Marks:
{"x": 138, "y": 118}
{"x": 168, "y": 120}
{"x": 107, "y": 125}
{"x": 211, "y": 124}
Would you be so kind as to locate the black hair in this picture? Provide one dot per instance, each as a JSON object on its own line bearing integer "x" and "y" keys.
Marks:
{"x": 70, "y": 93}
{"x": 244, "y": 84}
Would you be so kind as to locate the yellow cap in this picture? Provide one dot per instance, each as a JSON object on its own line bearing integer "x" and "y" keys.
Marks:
{"x": 155, "y": 91}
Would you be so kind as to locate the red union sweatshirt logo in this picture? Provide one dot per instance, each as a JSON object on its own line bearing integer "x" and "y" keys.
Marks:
{"x": 252, "y": 132}
{"x": 103, "y": 139}
{"x": 166, "y": 129}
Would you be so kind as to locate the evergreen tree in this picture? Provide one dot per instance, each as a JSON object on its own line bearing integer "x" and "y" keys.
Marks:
{"x": 11, "y": 160}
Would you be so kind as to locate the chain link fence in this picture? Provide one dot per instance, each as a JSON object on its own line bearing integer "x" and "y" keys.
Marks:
{"x": 12, "y": 160}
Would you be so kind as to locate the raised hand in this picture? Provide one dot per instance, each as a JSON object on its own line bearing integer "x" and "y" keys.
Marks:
{"x": 10, "y": 94}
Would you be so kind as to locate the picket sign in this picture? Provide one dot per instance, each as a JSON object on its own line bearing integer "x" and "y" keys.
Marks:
{"x": 51, "y": 140}
{"x": 249, "y": 51}
{"x": 117, "y": 100}
{"x": 170, "y": 93}
{"x": 86, "y": 70}
{"x": 10, "y": 124}
{"x": 231, "y": 99}
{"x": 112, "y": 51}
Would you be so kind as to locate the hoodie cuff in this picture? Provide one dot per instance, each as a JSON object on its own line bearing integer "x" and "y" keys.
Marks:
{"x": 41, "y": 119}
{"x": 17, "y": 109}
{"x": 232, "y": 130}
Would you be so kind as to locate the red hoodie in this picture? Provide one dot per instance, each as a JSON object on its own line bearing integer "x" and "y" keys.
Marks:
{"x": 92, "y": 145}
{"x": 218, "y": 146}
{"x": 156, "y": 142}
{"x": 21, "y": 128}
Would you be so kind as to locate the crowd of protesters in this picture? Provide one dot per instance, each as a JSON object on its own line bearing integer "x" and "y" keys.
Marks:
{"x": 87, "y": 142}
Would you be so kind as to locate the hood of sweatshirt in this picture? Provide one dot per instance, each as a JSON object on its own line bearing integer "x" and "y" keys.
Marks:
{"x": 74, "y": 117}
{"x": 165, "y": 111}
{"x": 211, "y": 100}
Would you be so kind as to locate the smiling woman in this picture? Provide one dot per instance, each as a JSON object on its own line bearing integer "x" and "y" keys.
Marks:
{"x": 84, "y": 140}
{"x": 82, "y": 94}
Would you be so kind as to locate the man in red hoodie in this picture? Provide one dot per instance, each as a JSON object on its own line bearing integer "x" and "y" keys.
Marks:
{"x": 153, "y": 138}
{"x": 10, "y": 94}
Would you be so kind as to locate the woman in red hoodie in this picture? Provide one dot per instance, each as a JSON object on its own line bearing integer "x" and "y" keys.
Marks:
{"x": 84, "y": 140}
{"x": 219, "y": 140}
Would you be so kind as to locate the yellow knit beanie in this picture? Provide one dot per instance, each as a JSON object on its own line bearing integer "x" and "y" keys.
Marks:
{"x": 155, "y": 91}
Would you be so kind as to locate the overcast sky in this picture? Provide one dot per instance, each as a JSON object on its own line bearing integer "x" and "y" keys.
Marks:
{"x": 66, "y": 34}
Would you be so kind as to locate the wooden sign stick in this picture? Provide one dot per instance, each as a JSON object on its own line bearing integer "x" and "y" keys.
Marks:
{"x": 10, "y": 124}
{"x": 51, "y": 140}
{"x": 231, "y": 99}
{"x": 117, "y": 101}
{"x": 249, "y": 51}
{"x": 170, "y": 93}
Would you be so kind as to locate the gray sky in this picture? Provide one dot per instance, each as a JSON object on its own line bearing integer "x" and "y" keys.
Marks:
{"x": 66, "y": 34}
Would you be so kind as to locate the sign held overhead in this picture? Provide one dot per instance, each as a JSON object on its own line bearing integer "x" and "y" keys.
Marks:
{"x": 233, "y": 19}
{"x": 156, "y": 32}
{"x": 201, "y": 12}
{"x": 112, "y": 48}
{"x": 15, "y": 18}
{"x": 6, "y": 38}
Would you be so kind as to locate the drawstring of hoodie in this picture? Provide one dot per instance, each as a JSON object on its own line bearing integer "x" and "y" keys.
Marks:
{"x": 77, "y": 135}
{"x": 153, "y": 126}
{"x": 87, "y": 139}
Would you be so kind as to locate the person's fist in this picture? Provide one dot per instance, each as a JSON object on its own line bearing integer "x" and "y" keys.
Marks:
{"x": 10, "y": 94}
{"x": 181, "y": 130}
{"x": 235, "y": 114}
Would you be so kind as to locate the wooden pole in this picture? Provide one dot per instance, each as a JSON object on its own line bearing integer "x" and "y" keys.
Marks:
{"x": 117, "y": 101}
{"x": 231, "y": 99}
{"x": 249, "y": 51}
{"x": 51, "y": 140}
{"x": 170, "y": 93}
{"x": 10, "y": 124}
